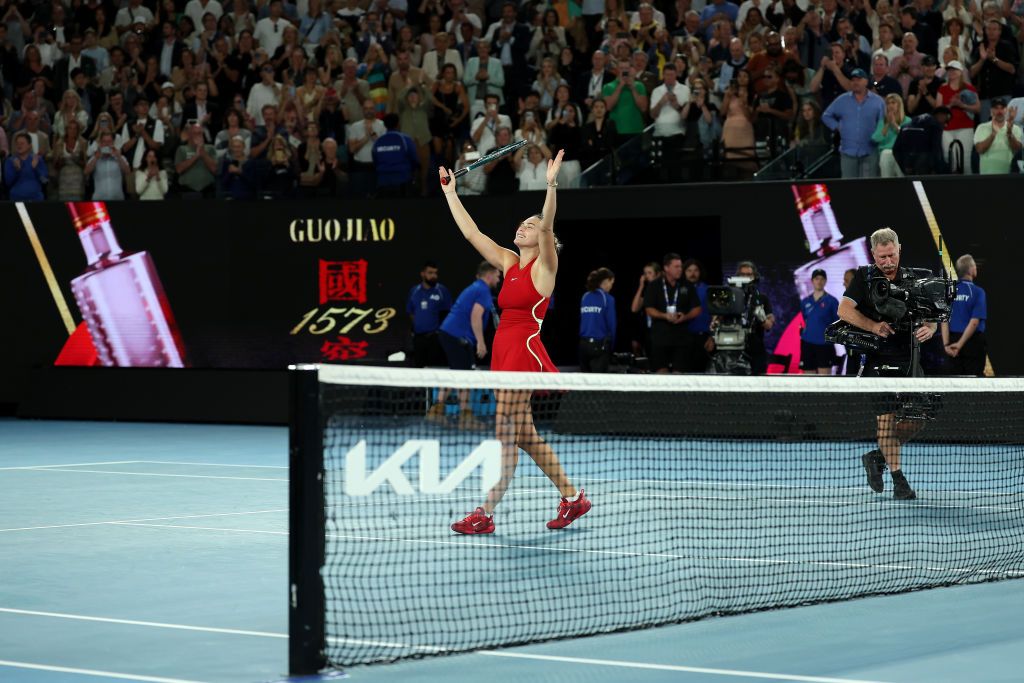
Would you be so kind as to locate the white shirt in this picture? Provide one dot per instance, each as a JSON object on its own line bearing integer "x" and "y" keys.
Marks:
{"x": 670, "y": 120}
{"x": 494, "y": 31}
{"x": 267, "y": 37}
{"x": 533, "y": 176}
{"x": 194, "y": 10}
{"x": 357, "y": 131}
{"x": 432, "y": 65}
{"x": 892, "y": 53}
{"x": 126, "y": 16}
{"x": 1017, "y": 102}
{"x": 243, "y": 21}
{"x": 260, "y": 96}
{"x": 450, "y": 27}
{"x": 155, "y": 189}
{"x": 487, "y": 141}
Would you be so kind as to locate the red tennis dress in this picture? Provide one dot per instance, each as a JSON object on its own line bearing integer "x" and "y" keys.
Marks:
{"x": 517, "y": 345}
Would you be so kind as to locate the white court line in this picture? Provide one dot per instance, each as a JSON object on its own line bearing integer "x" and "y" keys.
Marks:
{"x": 93, "y": 672}
{"x": 161, "y": 474}
{"x": 210, "y": 629}
{"x": 72, "y": 464}
{"x": 144, "y": 519}
{"x": 211, "y": 464}
{"x": 616, "y": 553}
{"x": 673, "y": 667}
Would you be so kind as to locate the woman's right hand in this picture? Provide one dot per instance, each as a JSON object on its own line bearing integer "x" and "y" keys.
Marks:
{"x": 447, "y": 179}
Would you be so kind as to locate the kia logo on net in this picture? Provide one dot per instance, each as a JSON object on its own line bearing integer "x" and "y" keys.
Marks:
{"x": 347, "y": 230}
{"x": 486, "y": 456}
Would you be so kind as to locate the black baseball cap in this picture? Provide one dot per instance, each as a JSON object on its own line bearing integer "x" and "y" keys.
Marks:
{"x": 858, "y": 73}
{"x": 817, "y": 272}
{"x": 998, "y": 101}
{"x": 928, "y": 60}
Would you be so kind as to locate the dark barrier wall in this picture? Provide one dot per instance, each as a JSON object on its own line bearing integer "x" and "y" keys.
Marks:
{"x": 262, "y": 285}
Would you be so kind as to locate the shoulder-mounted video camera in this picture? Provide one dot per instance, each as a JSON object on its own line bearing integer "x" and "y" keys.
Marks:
{"x": 919, "y": 297}
{"x": 737, "y": 307}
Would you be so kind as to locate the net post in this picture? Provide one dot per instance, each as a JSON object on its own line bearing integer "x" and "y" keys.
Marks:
{"x": 307, "y": 524}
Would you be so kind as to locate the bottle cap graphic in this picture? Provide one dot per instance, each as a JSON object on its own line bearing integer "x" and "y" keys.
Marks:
{"x": 85, "y": 215}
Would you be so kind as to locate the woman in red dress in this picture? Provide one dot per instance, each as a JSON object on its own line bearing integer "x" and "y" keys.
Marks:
{"x": 529, "y": 282}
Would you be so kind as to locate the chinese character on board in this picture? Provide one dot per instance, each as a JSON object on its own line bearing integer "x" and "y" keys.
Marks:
{"x": 343, "y": 281}
{"x": 343, "y": 349}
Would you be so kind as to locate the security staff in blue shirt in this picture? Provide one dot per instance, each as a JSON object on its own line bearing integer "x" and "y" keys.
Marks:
{"x": 428, "y": 303}
{"x": 700, "y": 326}
{"x": 395, "y": 158}
{"x": 820, "y": 309}
{"x": 963, "y": 336}
{"x": 462, "y": 332}
{"x": 597, "y": 322}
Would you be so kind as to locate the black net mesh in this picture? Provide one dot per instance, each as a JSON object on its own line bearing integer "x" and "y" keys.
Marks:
{"x": 704, "y": 503}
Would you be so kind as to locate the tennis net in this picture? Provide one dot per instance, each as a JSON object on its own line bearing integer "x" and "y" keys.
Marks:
{"x": 711, "y": 495}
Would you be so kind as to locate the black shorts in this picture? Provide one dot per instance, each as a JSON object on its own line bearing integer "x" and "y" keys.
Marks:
{"x": 460, "y": 352}
{"x": 675, "y": 355}
{"x": 814, "y": 356}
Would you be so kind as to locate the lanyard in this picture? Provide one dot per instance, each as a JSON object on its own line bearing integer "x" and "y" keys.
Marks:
{"x": 675, "y": 295}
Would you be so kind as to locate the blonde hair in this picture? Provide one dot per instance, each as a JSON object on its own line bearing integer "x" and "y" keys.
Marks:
{"x": 900, "y": 111}
{"x": 884, "y": 236}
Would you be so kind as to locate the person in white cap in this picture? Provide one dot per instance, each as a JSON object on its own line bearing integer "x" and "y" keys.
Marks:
{"x": 958, "y": 136}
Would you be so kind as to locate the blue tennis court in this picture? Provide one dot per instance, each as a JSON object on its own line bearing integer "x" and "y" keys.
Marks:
{"x": 159, "y": 553}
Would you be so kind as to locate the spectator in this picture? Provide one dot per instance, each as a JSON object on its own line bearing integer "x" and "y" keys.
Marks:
{"x": 958, "y": 137}
{"x": 131, "y": 14}
{"x": 203, "y": 111}
{"x": 232, "y": 128}
{"x": 141, "y": 134}
{"x": 855, "y": 115}
{"x": 442, "y": 55}
{"x": 501, "y": 173}
{"x": 68, "y": 161}
{"x": 108, "y": 169}
{"x": 266, "y": 92}
{"x": 774, "y": 109}
{"x": 150, "y": 179}
{"x": 809, "y": 131}
{"x": 403, "y": 78}
{"x": 882, "y": 84}
{"x": 907, "y": 66}
{"x": 815, "y": 44}
{"x": 40, "y": 140}
{"x": 736, "y": 60}
{"x": 643, "y": 75}
{"x": 352, "y": 90}
{"x": 331, "y": 119}
{"x": 590, "y": 84}
{"x": 375, "y": 72}
{"x": 738, "y": 129}
{"x": 531, "y": 130}
{"x": 195, "y": 163}
{"x": 269, "y": 30}
{"x": 772, "y": 56}
{"x": 395, "y": 158}
{"x": 923, "y": 95}
{"x": 548, "y": 80}
{"x": 994, "y": 66}
{"x": 74, "y": 59}
{"x": 315, "y": 23}
{"x": 954, "y": 37}
{"x": 232, "y": 180}
{"x": 309, "y": 158}
{"x": 599, "y": 135}
{"x": 25, "y": 172}
{"x": 70, "y": 108}
{"x": 533, "y": 167}
{"x": 262, "y": 135}
{"x": 334, "y": 179}
{"x": 414, "y": 121}
{"x": 548, "y": 39}
{"x": 997, "y": 140}
{"x": 360, "y": 137}
{"x": 886, "y": 46}
{"x": 832, "y": 78}
{"x": 928, "y": 39}
{"x": 484, "y": 75}
{"x": 472, "y": 183}
{"x": 281, "y": 177}
{"x": 714, "y": 12}
{"x": 566, "y": 135}
{"x": 487, "y": 124}
{"x": 559, "y": 106}
{"x": 704, "y": 115}
{"x": 451, "y": 111}
{"x": 90, "y": 97}
{"x": 627, "y": 102}
{"x": 885, "y": 134}
{"x": 670, "y": 107}
{"x": 510, "y": 41}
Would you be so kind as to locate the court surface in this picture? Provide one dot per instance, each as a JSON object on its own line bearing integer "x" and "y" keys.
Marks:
{"x": 159, "y": 553}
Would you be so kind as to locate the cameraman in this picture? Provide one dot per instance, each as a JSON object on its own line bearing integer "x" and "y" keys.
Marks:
{"x": 963, "y": 337}
{"x": 893, "y": 359}
{"x": 758, "y": 326}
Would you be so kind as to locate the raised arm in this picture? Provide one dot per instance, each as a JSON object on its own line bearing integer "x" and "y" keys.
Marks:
{"x": 546, "y": 239}
{"x": 499, "y": 257}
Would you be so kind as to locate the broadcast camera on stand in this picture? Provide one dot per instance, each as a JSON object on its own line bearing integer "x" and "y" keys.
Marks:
{"x": 736, "y": 310}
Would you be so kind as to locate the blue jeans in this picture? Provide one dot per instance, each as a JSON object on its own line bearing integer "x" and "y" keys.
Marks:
{"x": 859, "y": 167}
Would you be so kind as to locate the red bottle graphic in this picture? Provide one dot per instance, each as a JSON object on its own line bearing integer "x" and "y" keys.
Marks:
{"x": 824, "y": 240}
{"x": 121, "y": 299}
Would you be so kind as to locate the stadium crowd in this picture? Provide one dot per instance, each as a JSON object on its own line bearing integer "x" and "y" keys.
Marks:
{"x": 107, "y": 99}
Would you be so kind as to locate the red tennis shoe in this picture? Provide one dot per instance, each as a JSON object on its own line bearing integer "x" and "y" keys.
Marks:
{"x": 569, "y": 511}
{"x": 475, "y": 522}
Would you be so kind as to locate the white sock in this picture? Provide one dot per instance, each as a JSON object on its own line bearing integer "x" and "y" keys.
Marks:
{"x": 573, "y": 497}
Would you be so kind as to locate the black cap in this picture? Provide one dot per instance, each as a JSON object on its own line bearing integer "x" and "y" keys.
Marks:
{"x": 942, "y": 110}
{"x": 858, "y": 73}
{"x": 998, "y": 101}
{"x": 928, "y": 60}
{"x": 817, "y": 272}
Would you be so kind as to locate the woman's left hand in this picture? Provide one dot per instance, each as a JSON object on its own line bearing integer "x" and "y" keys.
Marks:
{"x": 554, "y": 165}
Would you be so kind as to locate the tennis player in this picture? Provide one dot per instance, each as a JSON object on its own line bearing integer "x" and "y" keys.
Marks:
{"x": 523, "y": 299}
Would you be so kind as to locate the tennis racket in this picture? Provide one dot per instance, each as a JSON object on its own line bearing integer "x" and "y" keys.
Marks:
{"x": 483, "y": 161}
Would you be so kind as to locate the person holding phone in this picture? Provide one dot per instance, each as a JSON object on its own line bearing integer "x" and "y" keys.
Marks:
{"x": 108, "y": 169}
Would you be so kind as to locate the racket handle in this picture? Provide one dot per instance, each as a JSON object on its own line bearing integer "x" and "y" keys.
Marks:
{"x": 458, "y": 174}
